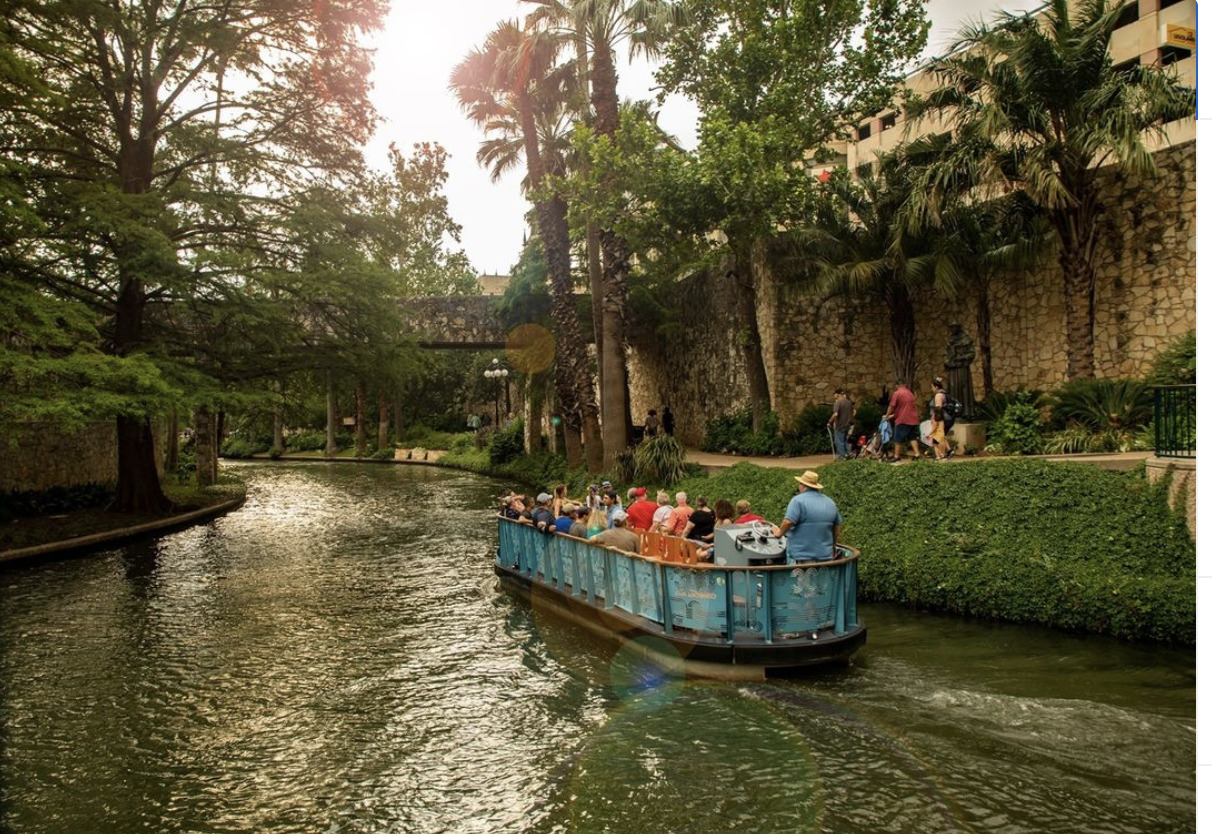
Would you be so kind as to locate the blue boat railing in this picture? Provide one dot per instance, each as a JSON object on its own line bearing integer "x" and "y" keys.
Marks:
{"x": 770, "y": 603}
{"x": 1174, "y": 421}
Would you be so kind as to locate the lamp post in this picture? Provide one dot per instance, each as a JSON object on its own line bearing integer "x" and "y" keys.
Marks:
{"x": 496, "y": 372}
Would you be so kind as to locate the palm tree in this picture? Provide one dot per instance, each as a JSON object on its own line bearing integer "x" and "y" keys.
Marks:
{"x": 859, "y": 246}
{"x": 594, "y": 28}
{"x": 509, "y": 87}
{"x": 974, "y": 241}
{"x": 1036, "y": 101}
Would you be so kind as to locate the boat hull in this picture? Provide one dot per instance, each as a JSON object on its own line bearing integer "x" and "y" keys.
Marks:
{"x": 740, "y": 636}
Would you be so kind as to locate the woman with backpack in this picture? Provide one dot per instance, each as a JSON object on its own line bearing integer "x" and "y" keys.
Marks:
{"x": 938, "y": 406}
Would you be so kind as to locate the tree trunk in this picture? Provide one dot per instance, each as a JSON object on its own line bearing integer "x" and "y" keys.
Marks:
{"x": 172, "y": 443}
{"x": 330, "y": 448}
{"x": 398, "y": 407}
{"x": 1077, "y": 228}
{"x": 205, "y": 450}
{"x": 903, "y": 330}
{"x": 574, "y": 380}
{"x": 593, "y": 252}
{"x": 984, "y": 336}
{"x": 616, "y": 258}
{"x": 750, "y": 338}
{"x": 278, "y": 442}
{"x": 1079, "y": 314}
{"x": 138, "y": 489}
{"x": 360, "y": 417}
{"x": 383, "y": 417}
{"x": 536, "y": 387}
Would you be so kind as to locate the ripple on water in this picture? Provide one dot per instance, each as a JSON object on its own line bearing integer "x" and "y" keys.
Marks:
{"x": 333, "y": 657}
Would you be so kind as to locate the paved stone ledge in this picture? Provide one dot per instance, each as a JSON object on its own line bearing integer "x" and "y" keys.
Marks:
{"x": 113, "y": 537}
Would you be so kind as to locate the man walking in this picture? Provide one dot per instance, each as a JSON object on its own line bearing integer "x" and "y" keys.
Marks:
{"x": 903, "y": 415}
{"x": 840, "y": 422}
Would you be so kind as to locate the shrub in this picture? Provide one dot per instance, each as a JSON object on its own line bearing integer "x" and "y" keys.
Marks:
{"x": 239, "y": 447}
{"x": 507, "y": 444}
{"x": 660, "y": 460}
{"x": 307, "y": 441}
{"x": 995, "y": 404}
{"x": 384, "y": 454}
{"x": 809, "y": 435}
{"x": 1120, "y": 405}
{"x": 30, "y": 503}
{"x": 1017, "y": 431}
{"x": 1061, "y": 544}
{"x": 1176, "y": 364}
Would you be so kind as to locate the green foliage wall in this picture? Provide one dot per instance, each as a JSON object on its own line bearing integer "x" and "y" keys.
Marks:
{"x": 1066, "y": 545}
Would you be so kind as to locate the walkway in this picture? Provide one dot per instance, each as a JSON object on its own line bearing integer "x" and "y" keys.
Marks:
{"x": 714, "y": 462}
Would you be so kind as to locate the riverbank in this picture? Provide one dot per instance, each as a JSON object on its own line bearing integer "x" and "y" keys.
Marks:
{"x": 92, "y": 528}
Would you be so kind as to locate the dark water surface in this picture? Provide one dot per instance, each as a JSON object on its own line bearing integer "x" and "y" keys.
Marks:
{"x": 335, "y": 657}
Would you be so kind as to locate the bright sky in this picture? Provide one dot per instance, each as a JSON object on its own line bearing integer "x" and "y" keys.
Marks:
{"x": 421, "y": 43}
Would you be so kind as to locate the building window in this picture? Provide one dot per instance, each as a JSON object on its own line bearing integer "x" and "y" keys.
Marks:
{"x": 1130, "y": 14}
{"x": 1168, "y": 55}
{"x": 1127, "y": 66}
{"x": 887, "y": 121}
{"x": 864, "y": 131}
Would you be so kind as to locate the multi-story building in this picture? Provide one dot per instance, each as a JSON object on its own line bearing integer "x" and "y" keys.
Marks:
{"x": 1150, "y": 32}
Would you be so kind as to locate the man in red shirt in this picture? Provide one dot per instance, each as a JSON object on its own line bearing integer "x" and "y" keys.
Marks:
{"x": 640, "y": 513}
{"x": 903, "y": 414}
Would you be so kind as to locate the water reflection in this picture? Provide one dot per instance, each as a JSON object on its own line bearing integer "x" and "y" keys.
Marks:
{"x": 335, "y": 657}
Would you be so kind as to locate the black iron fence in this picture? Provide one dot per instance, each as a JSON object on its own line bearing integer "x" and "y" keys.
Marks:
{"x": 1174, "y": 421}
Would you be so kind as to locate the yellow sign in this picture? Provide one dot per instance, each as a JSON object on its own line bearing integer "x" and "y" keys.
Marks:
{"x": 1180, "y": 36}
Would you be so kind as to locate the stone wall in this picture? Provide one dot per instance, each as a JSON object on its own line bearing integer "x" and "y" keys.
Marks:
{"x": 1144, "y": 299}
{"x": 41, "y": 457}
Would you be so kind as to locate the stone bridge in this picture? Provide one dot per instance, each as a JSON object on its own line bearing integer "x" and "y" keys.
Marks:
{"x": 456, "y": 322}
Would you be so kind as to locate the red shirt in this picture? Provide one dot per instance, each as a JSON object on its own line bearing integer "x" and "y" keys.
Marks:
{"x": 748, "y": 517}
{"x": 677, "y": 520}
{"x": 903, "y": 407}
{"x": 640, "y": 513}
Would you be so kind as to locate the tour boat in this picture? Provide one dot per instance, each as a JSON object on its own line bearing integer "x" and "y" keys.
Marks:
{"x": 743, "y": 615}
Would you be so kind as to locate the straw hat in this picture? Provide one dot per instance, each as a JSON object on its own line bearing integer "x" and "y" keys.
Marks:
{"x": 810, "y": 479}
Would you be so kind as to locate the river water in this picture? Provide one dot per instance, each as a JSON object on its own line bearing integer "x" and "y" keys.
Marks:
{"x": 336, "y": 657}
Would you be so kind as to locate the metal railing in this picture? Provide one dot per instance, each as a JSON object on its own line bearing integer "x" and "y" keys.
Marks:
{"x": 1174, "y": 421}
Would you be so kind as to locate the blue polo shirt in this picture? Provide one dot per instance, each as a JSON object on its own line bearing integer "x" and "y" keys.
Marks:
{"x": 813, "y": 515}
{"x": 563, "y": 524}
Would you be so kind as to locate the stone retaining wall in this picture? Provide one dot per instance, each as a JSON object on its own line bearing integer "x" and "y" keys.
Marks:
{"x": 35, "y": 458}
{"x": 1144, "y": 299}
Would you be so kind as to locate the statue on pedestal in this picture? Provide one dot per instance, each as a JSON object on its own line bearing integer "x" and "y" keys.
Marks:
{"x": 961, "y": 350}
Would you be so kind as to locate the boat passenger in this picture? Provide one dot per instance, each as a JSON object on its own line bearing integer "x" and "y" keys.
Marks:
{"x": 544, "y": 518}
{"x": 510, "y": 506}
{"x": 527, "y": 515}
{"x": 814, "y": 522}
{"x": 619, "y": 537}
{"x": 579, "y": 528}
{"x": 701, "y": 524}
{"x": 660, "y": 518}
{"x": 641, "y": 513}
{"x": 723, "y": 512}
{"x": 744, "y": 514}
{"x": 610, "y": 506}
{"x": 564, "y": 522}
{"x": 676, "y": 526}
{"x": 561, "y": 498}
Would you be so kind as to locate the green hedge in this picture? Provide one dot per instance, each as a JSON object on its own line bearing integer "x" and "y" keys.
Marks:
{"x": 1061, "y": 544}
